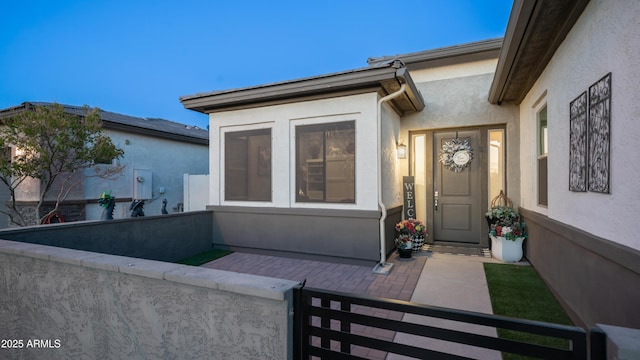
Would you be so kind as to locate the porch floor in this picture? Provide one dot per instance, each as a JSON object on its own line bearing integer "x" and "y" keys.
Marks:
{"x": 458, "y": 250}
{"x": 432, "y": 277}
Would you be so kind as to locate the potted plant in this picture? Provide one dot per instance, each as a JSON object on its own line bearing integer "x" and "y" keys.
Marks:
{"x": 419, "y": 234}
{"x": 501, "y": 215}
{"x": 507, "y": 233}
{"x": 404, "y": 245}
{"x": 411, "y": 234}
{"x": 108, "y": 202}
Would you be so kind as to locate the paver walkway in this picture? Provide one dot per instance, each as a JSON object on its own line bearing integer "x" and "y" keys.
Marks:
{"x": 446, "y": 280}
{"x": 399, "y": 284}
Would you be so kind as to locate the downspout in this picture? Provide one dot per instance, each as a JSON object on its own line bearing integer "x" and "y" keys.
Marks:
{"x": 383, "y": 209}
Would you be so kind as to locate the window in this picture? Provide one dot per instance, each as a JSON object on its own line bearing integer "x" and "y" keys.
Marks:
{"x": 247, "y": 165}
{"x": 543, "y": 148}
{"x": 419, "y": 172}
{"x": 325, "y": 162}
{"x": 496, "y": 163}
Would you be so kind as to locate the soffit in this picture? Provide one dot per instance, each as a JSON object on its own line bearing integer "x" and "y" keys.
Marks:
{"x": 535, "y": 31}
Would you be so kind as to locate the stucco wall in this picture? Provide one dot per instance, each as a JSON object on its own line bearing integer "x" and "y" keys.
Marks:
{"x": 456, "y": 96}
{"x": 595, "y": 279}
{"x": 606, "y": 38}
{"x": 170, "y": 237}
{"x": 90, "y": 305}
{"x": 282, "y": 119}
{"x": 391, "y": 175}
{"x": 350, "y": 236}
{"x": 168, "y": 161}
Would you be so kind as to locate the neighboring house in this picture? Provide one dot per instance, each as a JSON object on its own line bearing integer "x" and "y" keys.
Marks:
{"x": 157, "y": 154}
{"x": 309, "y": 166}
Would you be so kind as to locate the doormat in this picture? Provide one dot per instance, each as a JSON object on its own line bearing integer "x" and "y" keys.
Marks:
{"x": 457, "y": 250}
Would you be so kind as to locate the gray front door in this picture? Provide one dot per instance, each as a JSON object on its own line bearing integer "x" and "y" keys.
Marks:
{"x": 457, "y": 213}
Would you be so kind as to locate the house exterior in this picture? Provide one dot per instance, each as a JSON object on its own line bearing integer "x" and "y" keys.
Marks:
{"x": 309, "y": 166}
{"x": 269, "y": 199}
{"x": 331, "y": 151}
{"x": 157, "y": 154}
{"x": 572, "y": 69}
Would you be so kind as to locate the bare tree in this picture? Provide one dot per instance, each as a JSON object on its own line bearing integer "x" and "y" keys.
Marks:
{"x": 47, "y": 145}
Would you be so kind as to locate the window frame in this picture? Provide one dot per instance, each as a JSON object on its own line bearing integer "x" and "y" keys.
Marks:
{"x": 501, "y": 162}
{"x": 323, "y": 162}
{"x": 358, "y": 177}
{"x": 542, "y": 154}
{"x": 223, "y": 163}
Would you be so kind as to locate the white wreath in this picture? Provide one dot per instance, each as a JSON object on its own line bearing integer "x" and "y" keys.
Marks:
{"x": 456, "y": 154}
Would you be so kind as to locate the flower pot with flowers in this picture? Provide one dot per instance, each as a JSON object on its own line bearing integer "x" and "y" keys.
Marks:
{"x": 507, "y": 233}
{"x": 404, "y": 245}
{"x": 420, "y": 233}
{"x": 411, "y": 234}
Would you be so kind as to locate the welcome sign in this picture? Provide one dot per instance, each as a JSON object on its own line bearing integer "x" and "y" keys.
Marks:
{"x": 409, "y": 197}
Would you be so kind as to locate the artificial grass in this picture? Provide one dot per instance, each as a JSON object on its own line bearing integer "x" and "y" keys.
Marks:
{"x": 204, "y": 257}
{"x": 518, "y": 291}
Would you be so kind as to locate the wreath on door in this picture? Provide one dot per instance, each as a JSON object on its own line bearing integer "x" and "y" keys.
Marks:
{"x": 456, "y": 154}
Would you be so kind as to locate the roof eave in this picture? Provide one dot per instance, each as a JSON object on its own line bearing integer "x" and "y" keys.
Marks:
{"x": 413, "y": 94}
{"x": 112, "y": 125}
{"x": 516, "y": 28}
{"x": 529, "y": 27}
{"x": 480, "y": 50}
{"x": 367, "y": 79}
{"x": 115, "y": 125}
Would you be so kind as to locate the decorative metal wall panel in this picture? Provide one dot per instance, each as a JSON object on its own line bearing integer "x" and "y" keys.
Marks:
{"x": 578, "y": 144}
{"x": 599, "y": 135}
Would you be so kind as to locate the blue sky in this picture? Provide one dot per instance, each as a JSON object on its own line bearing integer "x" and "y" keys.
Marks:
{"x": 138, "y": 57}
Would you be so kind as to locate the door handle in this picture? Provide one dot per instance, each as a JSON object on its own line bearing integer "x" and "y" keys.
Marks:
{"x": 435, "y": 200}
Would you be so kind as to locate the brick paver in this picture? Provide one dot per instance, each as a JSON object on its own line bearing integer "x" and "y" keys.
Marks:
{"x": 399, "y": 284}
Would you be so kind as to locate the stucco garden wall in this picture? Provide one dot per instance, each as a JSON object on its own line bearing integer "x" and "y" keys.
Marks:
{"x": 89, "y": 305}
{"x": 606, "y": 38}
{"x": 171, "y": 237}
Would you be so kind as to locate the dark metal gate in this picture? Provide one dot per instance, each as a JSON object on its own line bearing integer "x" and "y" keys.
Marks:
{"x": 334, "y": 325}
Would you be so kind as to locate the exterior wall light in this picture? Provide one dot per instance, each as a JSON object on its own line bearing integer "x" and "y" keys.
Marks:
{"x": 401, "y": 150}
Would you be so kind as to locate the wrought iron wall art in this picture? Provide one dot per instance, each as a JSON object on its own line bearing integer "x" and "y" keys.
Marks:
{"x": 599, "y": 135}
{"x": 578, "y": 144}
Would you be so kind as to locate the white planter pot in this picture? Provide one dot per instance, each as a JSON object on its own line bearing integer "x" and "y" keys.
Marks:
{"x": 506, "y": 250}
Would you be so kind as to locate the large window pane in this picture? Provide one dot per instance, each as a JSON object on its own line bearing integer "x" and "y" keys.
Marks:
{"x": 325, "y": 163}
{"x": 247, "y": 167}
